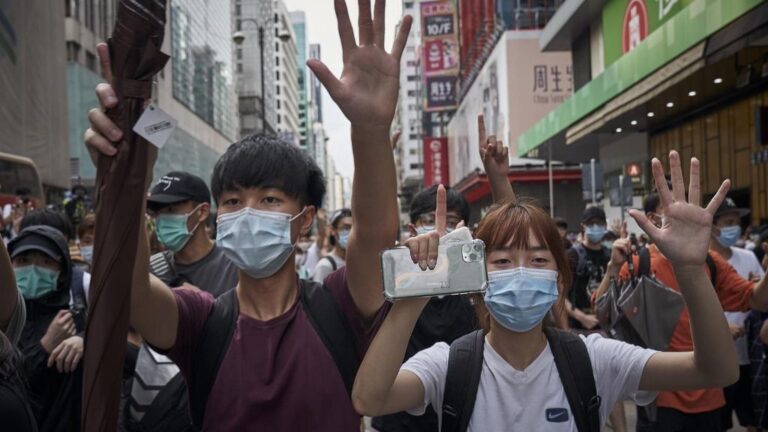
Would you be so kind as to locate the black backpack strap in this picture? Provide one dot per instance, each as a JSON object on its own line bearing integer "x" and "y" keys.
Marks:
{"x": 575, "y": 370}
{"x": 644, "y": 267}
{"x": 332, "y": 327}
{"x": 712, "y": 269}
{"x": 465, "y": 365}
{"x": 330, "y": 259}
{"x": 210, "y": 351}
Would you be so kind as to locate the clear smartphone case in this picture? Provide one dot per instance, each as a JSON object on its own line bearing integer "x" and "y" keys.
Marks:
{"x": 460, "y": 269}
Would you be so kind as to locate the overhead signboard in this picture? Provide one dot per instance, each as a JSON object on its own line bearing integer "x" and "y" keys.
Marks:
{"x": 440, "y": 55}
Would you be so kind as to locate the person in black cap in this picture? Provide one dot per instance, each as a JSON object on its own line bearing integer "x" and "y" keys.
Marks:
{"x": 180, "y": 202}
{"x": 726, "y": 232}
{"x": 51, "y": 342}
{"x": 588, "y": 261}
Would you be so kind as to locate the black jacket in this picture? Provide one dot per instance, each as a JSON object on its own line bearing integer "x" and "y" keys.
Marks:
{"x": 55, "y": 396}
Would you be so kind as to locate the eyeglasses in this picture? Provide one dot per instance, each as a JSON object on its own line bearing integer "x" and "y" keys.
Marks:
{"x": 429, "y": 219}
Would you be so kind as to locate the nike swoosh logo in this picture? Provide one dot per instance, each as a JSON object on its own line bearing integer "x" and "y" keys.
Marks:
{"x": 557, "y": 417}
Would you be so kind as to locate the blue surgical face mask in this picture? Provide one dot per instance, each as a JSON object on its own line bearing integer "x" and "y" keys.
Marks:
{"x": 87, "y": 253}
{"x": 257, "y": 242}
{"x": 35, "y": 281}
{"x": 520, "y": 298}
{"x": 172, "y": 230}
{"x": 729, "y": 235}
{"x": 595, "y": 233}
{"x": 426, "y": 229}
{"x": 343, "y": 239}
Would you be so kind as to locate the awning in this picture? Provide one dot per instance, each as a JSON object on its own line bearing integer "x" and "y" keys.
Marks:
{"x": 475, "y": 186}
{"x": 644, "y": 91}
{"x": 678, "y": 36}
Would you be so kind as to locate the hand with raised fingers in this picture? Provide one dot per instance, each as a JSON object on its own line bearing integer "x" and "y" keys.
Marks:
{"x": 368, "y": 88}
{"x": 424, "y": 247}
{"x": 493, "y": 152}
{"x": 685, "y": 232}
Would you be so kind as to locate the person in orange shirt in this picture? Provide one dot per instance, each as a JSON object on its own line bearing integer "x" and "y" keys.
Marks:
{"x": 696, "y": 410}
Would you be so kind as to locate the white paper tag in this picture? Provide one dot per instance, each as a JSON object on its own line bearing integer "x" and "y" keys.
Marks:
{"x": 155, "y": 126}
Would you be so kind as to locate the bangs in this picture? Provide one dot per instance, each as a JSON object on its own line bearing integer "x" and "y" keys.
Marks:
{"x": 509, "y": 226}
{"x": 266, "y": 162}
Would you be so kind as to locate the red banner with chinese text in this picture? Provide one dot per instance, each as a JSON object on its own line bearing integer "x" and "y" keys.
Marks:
{"x": 435, "y": 161}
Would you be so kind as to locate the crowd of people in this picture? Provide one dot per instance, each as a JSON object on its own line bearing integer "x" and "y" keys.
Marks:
{"x": 268, "y": 314}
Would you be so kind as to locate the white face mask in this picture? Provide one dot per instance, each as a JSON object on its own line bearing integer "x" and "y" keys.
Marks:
{"x": 258, "y": 242}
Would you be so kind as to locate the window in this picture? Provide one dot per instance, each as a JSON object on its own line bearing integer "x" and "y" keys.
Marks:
{"x": 413, "y": 77}
{"x": 277, "y": 46}
{"x": 239, "y": 53}
{"x": 278, "y": 89}
{"x": 277, "y": 61}
{"x": 413, "y": 137}
{"x": 415, "y": 166}
{"x": 239, "y": 67}
{"x": 238, "y": 11}
{"x": 279, "y": 119}
{"x": 73, "y": 51}
{"x": 277, "y": 75}
{"x": 413, "y": 151}
{"x": 412, "y": 93}
{"x": 90, "y": 61}
{"x": 277, "y": 18}
{"x": 278, "y": 104}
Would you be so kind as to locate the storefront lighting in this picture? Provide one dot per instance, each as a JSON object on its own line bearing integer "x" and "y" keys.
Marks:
{"x": 692, "y": 93}
{"x": 618, "y": 130}
{"x": 633, "y": 122}
{"x": 670, "y": 104}
{"x": 718, "y": 81}
{"x": 651, "y": 114}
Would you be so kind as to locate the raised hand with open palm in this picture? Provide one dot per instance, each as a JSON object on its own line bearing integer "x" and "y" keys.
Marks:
{"x": 367, "y": 90}
{"x": 685, "y": 232}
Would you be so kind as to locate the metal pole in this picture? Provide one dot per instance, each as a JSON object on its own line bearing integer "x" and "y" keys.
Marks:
{"x": 594, "y": 188}
{"x": 621, "y": 196}
{"x": 263, "y": 95}
{"x": 551, "y": 185}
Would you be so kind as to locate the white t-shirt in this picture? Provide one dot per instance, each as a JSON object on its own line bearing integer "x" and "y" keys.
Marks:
{"x": 746, "y": 264}
{"x": 534, "y": 399}
{"x": 324, "y": 267}
{"x": 313, "y": 256}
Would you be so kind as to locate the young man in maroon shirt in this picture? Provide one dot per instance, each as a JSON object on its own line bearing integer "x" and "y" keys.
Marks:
{"x": 277, "y": 373}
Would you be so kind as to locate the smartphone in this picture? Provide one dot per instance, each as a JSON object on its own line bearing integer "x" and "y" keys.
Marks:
{"x": 460, "y": 269}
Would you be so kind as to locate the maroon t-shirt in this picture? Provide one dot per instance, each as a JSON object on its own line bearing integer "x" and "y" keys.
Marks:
{"x": 277, "y": 375}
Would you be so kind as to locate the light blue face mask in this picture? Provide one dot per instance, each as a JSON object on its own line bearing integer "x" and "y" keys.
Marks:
{"x": 87, "y": 253}
{"x": 344, "y": 239}
{"x": 257, "y": 242}
{"x": 426, "y": 229}
{"x": 172, "y": 230}
{"x": 35, "y": 281}
{"x": 729, "y": 235}
{"x": 520, "y": 298}
{"x": 595, "y": 233}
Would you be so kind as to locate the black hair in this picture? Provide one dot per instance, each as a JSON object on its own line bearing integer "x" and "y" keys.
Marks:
{"x": 266, "y": 161}
{"x": 23, "y": 191}
{"x": 424, "y": 202}
{"x": 651, "y": 203}
{"x": 51, "y": 218}
{"x": 561, "y": 223}
{"x": 338, "y": 215}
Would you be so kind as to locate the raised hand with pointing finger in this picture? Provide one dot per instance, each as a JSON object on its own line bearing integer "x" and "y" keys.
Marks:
{"x": 495, "y": 157}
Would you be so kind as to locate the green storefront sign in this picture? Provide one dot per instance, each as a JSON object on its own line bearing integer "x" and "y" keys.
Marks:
{"x": 620, "y": 21}
{"x": 677, "y": 32}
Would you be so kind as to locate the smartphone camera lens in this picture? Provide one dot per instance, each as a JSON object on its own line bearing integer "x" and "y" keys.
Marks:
{"x": 473, "y": 257}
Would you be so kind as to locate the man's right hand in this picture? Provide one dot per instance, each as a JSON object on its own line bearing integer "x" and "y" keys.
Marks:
{"x": 101, "y": 137}
{"x": 621, "y": 249}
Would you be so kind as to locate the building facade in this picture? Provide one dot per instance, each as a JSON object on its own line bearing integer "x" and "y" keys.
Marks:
{"x": 408, "y": 153}
{"x": 655, "y": 76}
{"x": 299, "y": 21}
{"x": 317, "y": 146}
{"x": 33, "y": 92}
{"x": 86, "y": 24}
{"x": 253, "y": 18}
{"x": 286, "y": 78}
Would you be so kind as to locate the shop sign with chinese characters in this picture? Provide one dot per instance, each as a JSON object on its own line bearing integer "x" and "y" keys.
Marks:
{"x": 440, "y": 55}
